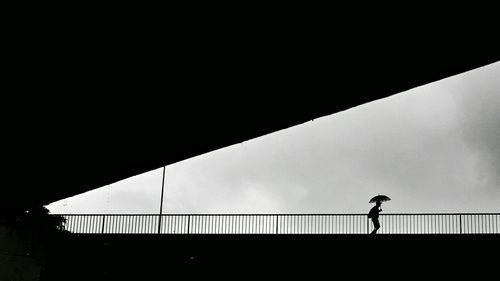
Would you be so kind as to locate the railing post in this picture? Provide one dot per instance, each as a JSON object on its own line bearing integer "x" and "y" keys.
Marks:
{"x": 103, "y": 220}
{"x": 277, "y": 217}
{"x": 189, "y": 223}
{"x": 159, "y": 224}
{"x": 460, "y": 217}
{"x": 367, "y": 226}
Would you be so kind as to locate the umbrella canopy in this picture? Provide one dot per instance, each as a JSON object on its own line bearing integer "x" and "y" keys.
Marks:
{"x": 381, "y": 198}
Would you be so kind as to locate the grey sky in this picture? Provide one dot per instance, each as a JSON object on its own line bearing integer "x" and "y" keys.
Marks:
{"x": 435, "y": 148}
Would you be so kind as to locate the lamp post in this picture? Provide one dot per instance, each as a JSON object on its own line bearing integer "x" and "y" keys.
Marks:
{"x": 161, "y": 200}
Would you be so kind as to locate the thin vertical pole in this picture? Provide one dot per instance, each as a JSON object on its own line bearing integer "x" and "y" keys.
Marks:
{"x": 460, "y": 224}
{"x": 277, "y": 224}
{"x": 161, "y": 200}
{"x": 103, "y": 221}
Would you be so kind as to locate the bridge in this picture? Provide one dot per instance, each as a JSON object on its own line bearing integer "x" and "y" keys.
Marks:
{"x": 130, "y": 247}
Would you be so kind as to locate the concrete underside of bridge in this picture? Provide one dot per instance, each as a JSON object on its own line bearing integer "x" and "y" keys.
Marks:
{"x": 346, "y": 257}
{"x": 104, "y": 108}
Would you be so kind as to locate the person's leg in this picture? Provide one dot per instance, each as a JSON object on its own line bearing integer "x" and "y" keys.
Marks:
{"x": 376, "y": 226}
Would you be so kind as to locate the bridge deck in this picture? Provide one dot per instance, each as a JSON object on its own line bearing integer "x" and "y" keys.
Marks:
{"x": 144, "y": 257}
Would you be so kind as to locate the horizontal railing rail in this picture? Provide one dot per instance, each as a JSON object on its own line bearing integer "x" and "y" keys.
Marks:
{"x": 418, "y": 223}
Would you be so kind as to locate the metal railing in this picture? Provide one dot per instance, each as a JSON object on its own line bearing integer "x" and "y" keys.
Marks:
{"x": 464, "y": 223}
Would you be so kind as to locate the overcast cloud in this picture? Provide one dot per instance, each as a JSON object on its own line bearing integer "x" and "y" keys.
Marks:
{"x": 435, "y": 148}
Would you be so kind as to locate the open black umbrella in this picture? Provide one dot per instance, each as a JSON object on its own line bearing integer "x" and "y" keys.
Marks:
{"x": 381, "y": 198}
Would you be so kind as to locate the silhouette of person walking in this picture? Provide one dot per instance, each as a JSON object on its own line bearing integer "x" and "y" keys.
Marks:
{"x": 373, "y": 214}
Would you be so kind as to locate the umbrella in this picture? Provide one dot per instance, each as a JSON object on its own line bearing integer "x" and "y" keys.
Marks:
{"x": 380, "y": 198}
